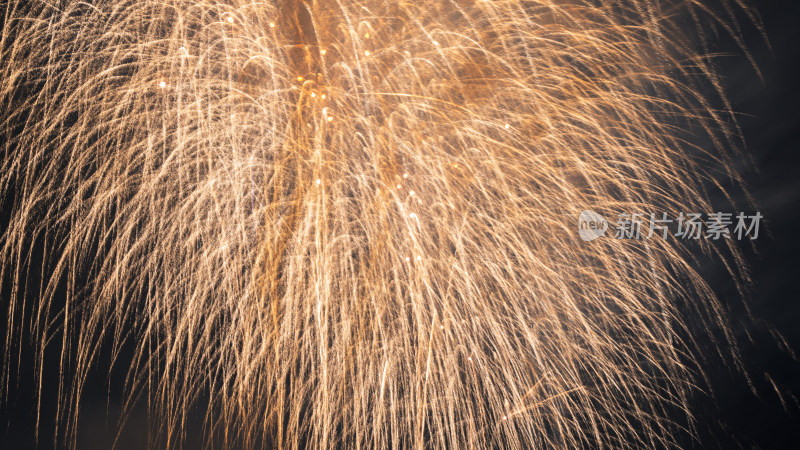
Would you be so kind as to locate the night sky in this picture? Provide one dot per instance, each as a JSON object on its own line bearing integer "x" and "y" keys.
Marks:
{"x": 770, "y": 124}
{"x": 730, "y": 414}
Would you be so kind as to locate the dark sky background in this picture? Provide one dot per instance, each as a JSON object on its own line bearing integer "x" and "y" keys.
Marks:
{"x": 734, "y": 417}
{"x": 729, "y": 413}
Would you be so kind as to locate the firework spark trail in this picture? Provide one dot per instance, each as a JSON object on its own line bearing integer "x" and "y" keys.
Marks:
{"x": 414, "y": 173}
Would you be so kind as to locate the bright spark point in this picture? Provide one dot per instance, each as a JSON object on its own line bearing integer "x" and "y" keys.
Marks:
{"x": 319, "y": 181}
{"x": 272, "y": 24}
{"x": 162, "y": 84}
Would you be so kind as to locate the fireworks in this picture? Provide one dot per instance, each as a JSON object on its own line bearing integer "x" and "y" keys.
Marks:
{"x": 353, "y": 223}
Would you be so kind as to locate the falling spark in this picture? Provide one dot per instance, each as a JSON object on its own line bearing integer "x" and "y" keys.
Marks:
{"x": 309, "y": 330}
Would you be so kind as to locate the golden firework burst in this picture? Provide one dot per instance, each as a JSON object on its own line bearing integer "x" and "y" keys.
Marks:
{"x": 352, "y": 224}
